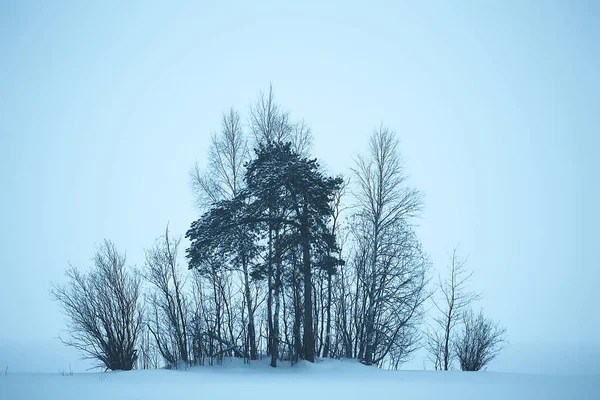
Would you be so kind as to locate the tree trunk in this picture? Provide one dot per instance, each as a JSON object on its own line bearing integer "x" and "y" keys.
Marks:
{"x": 275, "y": 335}
{"x": 298, "y": 348}
{"x": 251, "y": 329}
{"x": 370, "y": 317}
{"x": 447, "y": 336}
{"x": 269, "y": 313}
{"x": 320, "y": 313}
{"x": 286, "y": 330}
{"x": 277, "y": 286}
{"x": 328, "y": 319}
{"x": 270, "y": 294}
{"x": 178, "y": 297}
{"x": 309, "y": 337}
{"x": 217, "y": 299}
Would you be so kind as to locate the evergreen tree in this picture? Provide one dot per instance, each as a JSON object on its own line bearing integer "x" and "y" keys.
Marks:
{"x": 287, "y": 202}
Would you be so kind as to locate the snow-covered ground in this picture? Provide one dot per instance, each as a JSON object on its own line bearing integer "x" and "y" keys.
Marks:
{"x": 324, "y": 380}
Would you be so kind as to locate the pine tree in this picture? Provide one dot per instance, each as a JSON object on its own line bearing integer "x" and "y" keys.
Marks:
{"x": 287, "y": 201}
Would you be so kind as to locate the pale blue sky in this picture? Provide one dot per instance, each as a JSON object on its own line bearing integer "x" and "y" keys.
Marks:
{"x": 104, "y": 108}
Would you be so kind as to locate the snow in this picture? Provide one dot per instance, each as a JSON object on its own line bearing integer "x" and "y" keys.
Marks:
{"x": 324, "y": 380}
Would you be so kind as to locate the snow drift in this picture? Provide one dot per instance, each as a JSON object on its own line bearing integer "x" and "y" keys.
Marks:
{"x": 323, "y": 380}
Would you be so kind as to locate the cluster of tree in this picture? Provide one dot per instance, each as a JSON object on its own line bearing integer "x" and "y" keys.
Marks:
{"x": 284, "y": 262}
{"x": 457, "y": 333}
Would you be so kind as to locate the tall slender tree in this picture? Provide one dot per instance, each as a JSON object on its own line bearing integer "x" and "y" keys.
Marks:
{"x": 168, "y": 299}
{"x": 456, "y": 298}
{"x": 389, "y": 254}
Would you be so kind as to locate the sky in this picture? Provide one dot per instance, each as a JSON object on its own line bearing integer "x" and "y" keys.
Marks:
{"x": 105, "y": 107}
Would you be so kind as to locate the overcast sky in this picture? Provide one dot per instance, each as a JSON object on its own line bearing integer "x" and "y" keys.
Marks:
{"x": 105, "y": 107}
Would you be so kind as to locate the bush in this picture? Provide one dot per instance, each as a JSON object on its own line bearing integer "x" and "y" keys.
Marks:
{"x": 103, "y": 309}
{"x": 479, "y": 342}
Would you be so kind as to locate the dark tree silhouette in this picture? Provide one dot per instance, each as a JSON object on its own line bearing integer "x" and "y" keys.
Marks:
{"x": 286, "y": 196}
{"x": 479, "y": 341}
{"x": 103, "y": 308}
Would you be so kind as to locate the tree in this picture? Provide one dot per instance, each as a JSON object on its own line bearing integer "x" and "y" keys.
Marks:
{"x": 226, "y": 158}
{"x": 456, "y": 298}
{"x": 224, "y": 181}
{"x": 287, "y": 199}
{"x": 103, "y": 308}
{"x": 479, "y": 341}
{"x": 169, "y": 304}
{"x": 149, "y": 355}
{"x": 332, "y": 261}
{"x": 270, "y": 123}
{"x": 305, "y": 196}
{"x": 391, "y": 267}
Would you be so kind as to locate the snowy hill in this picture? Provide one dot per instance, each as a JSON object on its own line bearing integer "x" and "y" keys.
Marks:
{"x": 323, "y": 380}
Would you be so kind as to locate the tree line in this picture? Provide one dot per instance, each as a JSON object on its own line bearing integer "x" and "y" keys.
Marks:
{"x": 285, "y": 262}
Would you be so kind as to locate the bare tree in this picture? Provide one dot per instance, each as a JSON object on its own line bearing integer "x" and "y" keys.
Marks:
{"x": 479, "y": 341}
{"x": 196, "y": 327}
{"x": 456, "y": 298}
{"x": 345, "y": 301}
{"x": 227, "y": 154}
{"x": 168, "y": 300}
{"x": 149, "y": 355}
{"x": 222, "y": 181}
{"x": 103, "y": 309}
{"x": 301, "y": 138}
{"x": 338, "y": 209}
{"x": 434, "y": 345}
{"x": 269, "y": 122}
{"x": 390, "y": 266}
